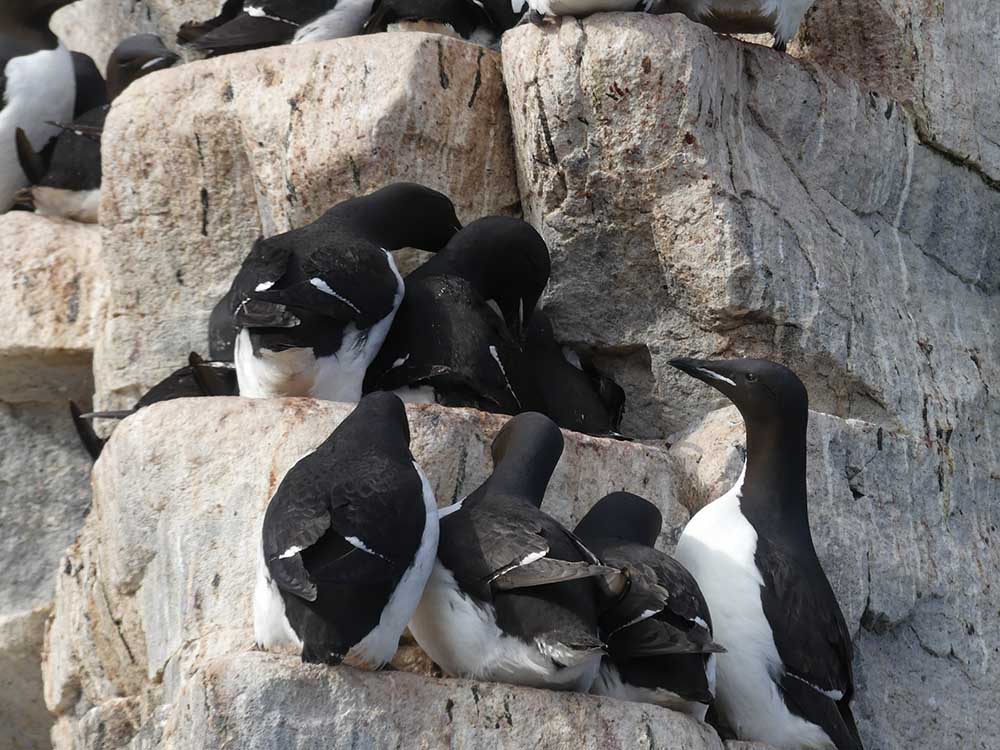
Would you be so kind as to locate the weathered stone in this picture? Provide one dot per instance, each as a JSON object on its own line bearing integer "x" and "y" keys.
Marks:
{"x": 24, "y": 722}
{"x": 264, "y": 701}
{"x": 160, "y": 580}
{"x": 52, "y": 307}
{"x": 97, "y": 26}
{"x": 908, "y": 539}
{"x": 266, "y": 141}
{"x": 44, "y": 495}
{"x": 705, "y": 196}
{"x": 939, "y": 58}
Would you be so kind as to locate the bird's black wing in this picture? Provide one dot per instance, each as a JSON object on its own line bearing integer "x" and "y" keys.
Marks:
{"x": 812, "y": 640}
{"x": 662, "y": 610}
{"x": 334, "y": 522}
{"x": 508, "y": 546}
{"x": 245, "y": 32}
{"x": 446, "y": 336}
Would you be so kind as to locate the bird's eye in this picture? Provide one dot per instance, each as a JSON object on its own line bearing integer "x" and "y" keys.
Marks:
{"x": 751, "y": 378}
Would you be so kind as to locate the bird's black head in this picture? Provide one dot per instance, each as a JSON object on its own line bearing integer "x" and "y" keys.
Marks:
{"x": 36, "y": 10}
{"x": 622, "y": 515}
{"x": 507, "y": 261}
{"x": 764, "y": 392}
{"x": 525, "y": 453}
{"x": 344, "y": 277}
{"x": 135, "y": 57}
{"x": 399, "y": 215}
{"x": 384, "y": 412}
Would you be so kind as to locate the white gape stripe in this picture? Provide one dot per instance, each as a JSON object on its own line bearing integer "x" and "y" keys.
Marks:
{"x": 263, "y": 286}
{"x": 290, "y": 552}
{"x": 152, "y": 62}
{"x": 715, "y": 375}
{"x": 325, "y": 288}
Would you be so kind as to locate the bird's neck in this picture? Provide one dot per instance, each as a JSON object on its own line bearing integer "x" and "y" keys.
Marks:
{"x": 774, "y": 486}
{"x": 520, "y": 478}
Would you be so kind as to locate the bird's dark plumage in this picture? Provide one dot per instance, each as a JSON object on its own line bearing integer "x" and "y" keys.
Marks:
{"x": 658, "y": 629}
{"x": 345, "y": 529}
{"x": 767, "y": 512}
{"x": 532, "y": 575}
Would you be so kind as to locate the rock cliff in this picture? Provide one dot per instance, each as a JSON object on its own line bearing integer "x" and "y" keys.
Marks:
{"x": 700, "y": 196}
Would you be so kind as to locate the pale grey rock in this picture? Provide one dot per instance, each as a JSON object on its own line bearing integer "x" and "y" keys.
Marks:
{"x": 160, "y": 580}
{"x": 907, "y": 537}
{"x": 939, "y": 58}
{"x": 52, "y": 307}
{"x": 705, "y": 196}
{"x": 24, "y": 722}
{"x": 44, "y": 495}
{"x": 265, "y": 701}
{"x": 265, "y": 141}
{"x": 95, "y": 27}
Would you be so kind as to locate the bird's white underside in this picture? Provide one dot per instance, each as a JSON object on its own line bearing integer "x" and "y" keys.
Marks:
{"x": 609, "y": 683}
{"x": 463, "y": 638}
{"x": 718, "y": 547}
{"x": 40, "y": 89}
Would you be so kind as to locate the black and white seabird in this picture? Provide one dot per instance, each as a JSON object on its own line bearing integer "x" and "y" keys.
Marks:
{"x": 67, "y": 183}
{"x": 786, "y": 678}
{"x": 136, "y": 57}
{"x": 567, "y": 387}
{"x": 659, "y": 630}
{"x": 253, "y": 24}
{"x": 449, "y": 343}
{"x": 37, "y": 85}
{"x": 512, "y": 597}
{"x": 198, "y": 378}
{"x": 348, "y": 542}
{"x": 312, "y": 306}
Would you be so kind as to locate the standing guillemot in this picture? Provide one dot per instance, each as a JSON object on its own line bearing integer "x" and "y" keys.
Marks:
{"x": 402, "y": 214}
{"x": 37, "y": 85}
{"x": 659, "y": 632}
{"x": 253, "y": 24}
{"x": 68, "y": 182}
{"x": 198, "y": 378}
{"x": 568, "y": 388}
{"x": 348, "y": 542}
{"x": 786, "y": 678}
{"x": 512, "y": 596}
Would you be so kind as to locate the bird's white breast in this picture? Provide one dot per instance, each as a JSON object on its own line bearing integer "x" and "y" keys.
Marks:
{"x": 379, "y": 646}
{"x": 40, "y": 89}
{"x": 462, "y": 637}
{"x": 718, "y": 547}
{"x": 609, "y": 682}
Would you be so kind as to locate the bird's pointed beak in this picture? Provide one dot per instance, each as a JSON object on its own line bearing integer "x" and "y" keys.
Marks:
{"x": 708, "y": 371}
